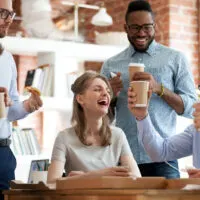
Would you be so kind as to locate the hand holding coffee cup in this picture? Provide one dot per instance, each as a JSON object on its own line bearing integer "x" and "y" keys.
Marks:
{"x": 141, "y": 89}
{"x": 135, "y": 67}
{"x": 5, "y": 101}
{"x": 2, "y": 105}
{"x": 139, "y": 112}
{"x": 116, "y": 83}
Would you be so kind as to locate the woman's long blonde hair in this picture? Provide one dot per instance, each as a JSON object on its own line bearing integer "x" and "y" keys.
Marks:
{"x": 78, "y": 119}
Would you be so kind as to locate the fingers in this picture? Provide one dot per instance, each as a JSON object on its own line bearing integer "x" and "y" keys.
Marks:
{"x": 118, "y": 74}
{"x": 194, "y": 173}
{"x": 116, "y": 84}
{"x": 35, "y": 102}
{"x": 3, "y": 89}
{"x": 75, "y": 173}
{"x": 120, "y": 171}
{"x": 142, "y": 76}
{"x": 37, "y": 99}
{"x": 131, "y": 98}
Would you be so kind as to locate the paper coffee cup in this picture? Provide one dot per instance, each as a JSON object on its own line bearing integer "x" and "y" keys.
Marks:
{"x": 39, "y": 176}
{"x": 141, "y": 89}
{"x": 135, "y": 67}
{"x": 2, "y": 106}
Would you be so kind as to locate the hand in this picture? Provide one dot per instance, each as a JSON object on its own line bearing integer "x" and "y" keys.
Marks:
{"x": 116, "y": 84}
{"x": 193, "y": 173}
{"x": 153, "y": 84}
{"x": 8, "y": 101}
{"x": 139, "y": 112}
{"x": 112, "y": 171}
{"x": 76, "y": 173}
{"x": 33, "y": 103}
{"x": 196, "y": 115}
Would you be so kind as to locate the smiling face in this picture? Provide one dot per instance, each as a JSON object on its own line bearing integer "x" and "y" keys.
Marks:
{"x": 5, "y": 23}
{"x": 96, "y": 98}
{"x": 143, "y": 38}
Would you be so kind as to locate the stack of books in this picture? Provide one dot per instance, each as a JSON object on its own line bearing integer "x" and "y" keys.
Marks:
{"x": 24, "y": 142}
{"x": 42, "y": 79}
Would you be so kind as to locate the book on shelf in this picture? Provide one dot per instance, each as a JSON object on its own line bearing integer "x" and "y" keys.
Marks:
{"x": 41, "y": 78}
{"x": 24, "y": 141}
{"x": 70, "y": 78}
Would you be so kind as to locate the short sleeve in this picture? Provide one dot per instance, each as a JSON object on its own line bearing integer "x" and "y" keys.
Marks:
{"x": 126, "y": 150}
{"x": 59, "y": 152}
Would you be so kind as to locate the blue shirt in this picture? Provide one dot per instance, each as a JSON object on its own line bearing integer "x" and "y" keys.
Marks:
{"x": 174, "y": 147}
{"x": 8, "y": 79}
{"x": 168, "y": 67}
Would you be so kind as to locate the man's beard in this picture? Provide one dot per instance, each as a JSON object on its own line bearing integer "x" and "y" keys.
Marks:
{"x": 140, "y": 50}
{"x": 4, "y": 31}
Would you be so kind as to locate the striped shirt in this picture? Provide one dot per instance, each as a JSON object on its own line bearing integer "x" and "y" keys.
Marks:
{"x": 168, "y": 67}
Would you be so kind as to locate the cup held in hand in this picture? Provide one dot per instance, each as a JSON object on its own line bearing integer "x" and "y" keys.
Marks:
{"x": 141, "y": 89}
{"x": 135, "y": 67}
{"x": 2, "y": 105}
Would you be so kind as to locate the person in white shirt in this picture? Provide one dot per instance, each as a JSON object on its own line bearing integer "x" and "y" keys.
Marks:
{"x": 91, "y": 147}
{"x": 15, "y": 109}
{"x": 169, "y": 148}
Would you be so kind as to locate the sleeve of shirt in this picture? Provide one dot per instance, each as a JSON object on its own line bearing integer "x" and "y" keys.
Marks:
{"x": 59, "y": 152}
{"x": 17, "y": 110}
{"x": 164, "y": 149}
{"x": 105, "y": 69}
{"x": 126, "y": 150}
{"x": 184, "y": 85}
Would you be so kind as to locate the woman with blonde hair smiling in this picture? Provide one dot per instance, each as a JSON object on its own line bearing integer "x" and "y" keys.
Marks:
{"x": 91, "y": 147}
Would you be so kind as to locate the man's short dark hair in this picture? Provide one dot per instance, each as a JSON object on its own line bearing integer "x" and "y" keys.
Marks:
{"x": 138, "y": 5}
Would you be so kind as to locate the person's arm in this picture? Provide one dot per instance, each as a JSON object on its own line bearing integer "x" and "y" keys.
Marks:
{"x": 183, "y": 96}
{"x": 130, "y": 163}
{"x": 163, "y": 149}
{"x": 126, "y": 157}
{"x": 158, "y": 148}
{"x": 19, "y": 110}
{"x": 58, "y": 159}
{"x": 172, "y": 99}
{"x": 184, "y": 85}
{"x": 55, "y": 171}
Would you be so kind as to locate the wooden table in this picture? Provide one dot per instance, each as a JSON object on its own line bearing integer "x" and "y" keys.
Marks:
{"x": 102, "y": 194}
{"x": 106, "y": 188}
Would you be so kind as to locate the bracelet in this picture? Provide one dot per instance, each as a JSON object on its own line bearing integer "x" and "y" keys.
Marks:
{"x": 162, "y": 90}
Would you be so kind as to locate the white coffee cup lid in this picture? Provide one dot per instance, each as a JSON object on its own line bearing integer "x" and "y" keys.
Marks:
{"x": 136, "y": 64}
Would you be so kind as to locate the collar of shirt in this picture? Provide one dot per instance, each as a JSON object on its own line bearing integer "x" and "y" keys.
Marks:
{"x": 151, "y": 50}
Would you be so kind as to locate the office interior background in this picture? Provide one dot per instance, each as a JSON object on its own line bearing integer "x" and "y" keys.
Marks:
{"x": 60, "y": 33}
